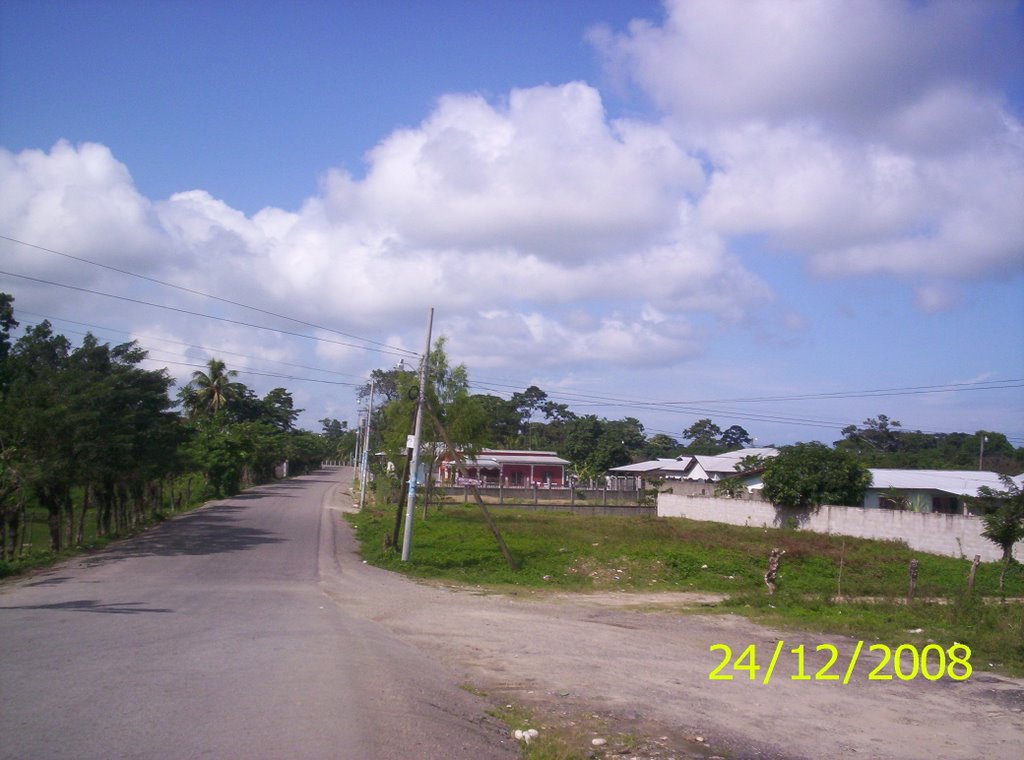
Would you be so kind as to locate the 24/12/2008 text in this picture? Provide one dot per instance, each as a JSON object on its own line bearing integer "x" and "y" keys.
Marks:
{"x": 931, "y": 662}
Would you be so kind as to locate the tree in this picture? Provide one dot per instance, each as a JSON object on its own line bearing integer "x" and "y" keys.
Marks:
{"x": 528, "y": 403}
{"x": 86, "y": 427}
{"x": 279, "y": 409}
{"x": 877, "y": 435}
{"x": 807, "y": 475}
{"x": 735, "y": 437}
{"x": 501, "y": 419}
{"x": 210, "y": 392}
{"x": 7, "y": 324}
{"x": 661, "y": 446}
{"x": 1003, "y": 515}
{"x": 704, "y": 437}
{"x": 387, "y": 383}
{"x": 341, "y": 441}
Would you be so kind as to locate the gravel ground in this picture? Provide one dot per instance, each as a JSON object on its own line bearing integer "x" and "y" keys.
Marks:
{"x": 637, "y": 665}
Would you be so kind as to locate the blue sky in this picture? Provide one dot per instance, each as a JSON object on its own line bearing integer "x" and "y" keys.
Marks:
{"x": 619, "y": 202}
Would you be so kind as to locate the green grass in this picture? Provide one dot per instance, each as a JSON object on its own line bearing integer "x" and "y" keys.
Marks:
{"x": 584, "y": 553}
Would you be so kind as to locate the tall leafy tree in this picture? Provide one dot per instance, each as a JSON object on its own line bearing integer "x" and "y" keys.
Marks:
{"x": 704, "y": 437}
{"x": 1003, "y": 515}
{"x": 735, "y": 437}
{"x": 807, "y": 475}
{"x": 279, "y": 409}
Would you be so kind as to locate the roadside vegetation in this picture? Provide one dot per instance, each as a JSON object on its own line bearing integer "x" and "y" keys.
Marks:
{"x": 827, "y": 583}
{"x": 95, "y": 447}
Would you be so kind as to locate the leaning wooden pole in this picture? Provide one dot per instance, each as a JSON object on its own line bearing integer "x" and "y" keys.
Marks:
{"x": 460, "y": 463}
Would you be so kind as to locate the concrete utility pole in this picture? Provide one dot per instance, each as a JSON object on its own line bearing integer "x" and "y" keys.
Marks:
{"x": 364, "y": 472}
{"x": 414, "y": 465}
{"x": 358, "y": 455}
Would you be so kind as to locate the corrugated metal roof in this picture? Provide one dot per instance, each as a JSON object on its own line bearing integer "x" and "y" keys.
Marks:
{"x": 499, "y": 457}
{"x": 957, "y": 482}
{"x": 648, "y": 466}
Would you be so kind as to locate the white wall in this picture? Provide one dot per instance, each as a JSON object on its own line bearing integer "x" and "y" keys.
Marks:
{"x": 950, "y": 535}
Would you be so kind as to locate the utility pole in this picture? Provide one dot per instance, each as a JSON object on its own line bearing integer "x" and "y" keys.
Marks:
{"x": 981, "y": 453}
{"x": 358, "y": 455}
{"x": 365, "y": 469}
{"x": 414, "y": 464}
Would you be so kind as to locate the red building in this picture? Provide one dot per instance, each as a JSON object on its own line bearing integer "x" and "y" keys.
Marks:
{"x": 493, "y": 467}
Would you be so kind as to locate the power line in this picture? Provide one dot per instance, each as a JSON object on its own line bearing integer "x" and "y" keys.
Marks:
{"x": 580, "y": 399}
{"x": 192, "y": 291}
{"x": 391, "y": 351}
{"x": 258, "y": 373}
{"x": 212, "y": 351}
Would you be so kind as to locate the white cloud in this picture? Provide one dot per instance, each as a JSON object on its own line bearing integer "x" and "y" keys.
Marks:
{"x": 547, "y": 233}
{"x": 531, "y": 207}
{"x": 869, "y": 137}
{"x": 78, "y": 200}
{"x": 545, "y": 173}
{"x": 728, "y": 61}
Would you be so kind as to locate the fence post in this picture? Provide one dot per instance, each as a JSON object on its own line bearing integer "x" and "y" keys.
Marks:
{"x": 771, "y": 577}
{"x": 974, "y": 569}
{"x": 913, "y": 580}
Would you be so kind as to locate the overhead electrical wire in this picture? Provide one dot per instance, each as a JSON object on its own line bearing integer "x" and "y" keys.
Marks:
{"x": 389, "y": 350}
{"x": 192, "y": 291}
{"x": 212, "y": 351}
{"x": 259, "y": 373}
{"x": 697, "y": 406}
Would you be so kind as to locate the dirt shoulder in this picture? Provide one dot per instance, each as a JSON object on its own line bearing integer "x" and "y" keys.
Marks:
{"x": 639, "y": 664}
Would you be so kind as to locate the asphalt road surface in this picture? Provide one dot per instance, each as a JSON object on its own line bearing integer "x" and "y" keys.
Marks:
{"x": 252, "y": 629}
{"x": 215, "y": 636}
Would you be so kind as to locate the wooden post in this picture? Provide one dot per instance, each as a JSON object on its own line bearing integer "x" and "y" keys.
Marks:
{"x": 839, "y": 582}
{"x": 913, "y": 580}
{"x": 974, "y": 569}
{"x": 772, "y": 576}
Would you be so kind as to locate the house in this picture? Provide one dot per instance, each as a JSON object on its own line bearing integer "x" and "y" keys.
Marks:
{"x": 714, "y": 468}
{"x": 506, "y": 467}
{"x": 698, "y": 467}
{"x": 942, "y": 491}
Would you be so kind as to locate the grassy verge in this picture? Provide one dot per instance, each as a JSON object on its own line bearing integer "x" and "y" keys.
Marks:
{"x": 582, "y": 553}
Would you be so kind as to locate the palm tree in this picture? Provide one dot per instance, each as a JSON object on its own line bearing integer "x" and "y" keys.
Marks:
{"x": 209, "y": 392}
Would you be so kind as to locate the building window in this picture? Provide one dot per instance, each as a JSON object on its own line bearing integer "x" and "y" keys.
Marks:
{"x": 947, "y": 505}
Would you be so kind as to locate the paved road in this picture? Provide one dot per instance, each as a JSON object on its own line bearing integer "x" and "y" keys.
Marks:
{"x": 215, "y": 636}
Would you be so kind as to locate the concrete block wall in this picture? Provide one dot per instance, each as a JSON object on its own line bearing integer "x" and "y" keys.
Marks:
{"x": 949, "y": 535}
